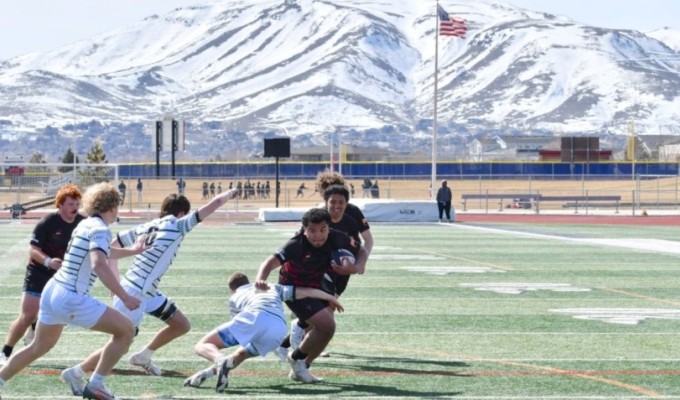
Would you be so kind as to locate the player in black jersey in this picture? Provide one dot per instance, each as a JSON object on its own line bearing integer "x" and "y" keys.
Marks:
{"x": 325, "y": 179}
{"x": 47, "y": 247}
{"x": 303, "y": 260}
{"x": 337, "y": 199}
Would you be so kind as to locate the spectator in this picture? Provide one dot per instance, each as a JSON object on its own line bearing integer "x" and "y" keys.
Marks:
{"x": 375, "y": 190}
{"x": 181, "y": 186}
{"x": 301, "y": 190}
{"x": 139, "y": 191}
{"x": 444, "y": 197}
{"x": 366, "y": 187}
{"x": 122, "y": 189}
{"x": 205, "y": 190}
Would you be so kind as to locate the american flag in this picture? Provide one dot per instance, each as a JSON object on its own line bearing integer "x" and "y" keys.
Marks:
{"x": 450, "y": 26}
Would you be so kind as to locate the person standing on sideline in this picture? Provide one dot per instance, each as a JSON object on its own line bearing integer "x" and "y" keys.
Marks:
{"x": 66, "y": 299}
{"x": 300, "y": 190}
{"x": 257, "y": 326}
{"x": 140, "y": 186}
{"x": 164, "y": 236}
{"x": 444, "y": 197}
{"x": 46, "y": 253}
{"x": 304, "y": 260}
{"x": 122, "y": 189}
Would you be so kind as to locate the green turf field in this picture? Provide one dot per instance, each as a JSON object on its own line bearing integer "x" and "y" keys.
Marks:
{"x": 502, "y": 311}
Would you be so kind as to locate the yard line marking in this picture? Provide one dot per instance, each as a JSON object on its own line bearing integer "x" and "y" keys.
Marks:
{"x": 451, "y": 270}
{"x": 642, "y": 244}
{"x": 641, "y": 296}
{"x": 623, "y": 316}
{"x": 612, "y": 382}
{"x": 413, "y": 333}
{"x": 340, "y": 360}
{"x": 520, "y": 287}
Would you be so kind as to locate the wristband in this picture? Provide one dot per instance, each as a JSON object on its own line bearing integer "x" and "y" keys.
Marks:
{"x": 46, "y": 262}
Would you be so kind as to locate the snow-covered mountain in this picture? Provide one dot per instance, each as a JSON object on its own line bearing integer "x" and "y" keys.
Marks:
{"x": 668, "y": 36}
{"x": 315, "y": 65}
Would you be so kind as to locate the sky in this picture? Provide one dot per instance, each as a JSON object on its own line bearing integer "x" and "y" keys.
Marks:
{"x": 38, "y": 25}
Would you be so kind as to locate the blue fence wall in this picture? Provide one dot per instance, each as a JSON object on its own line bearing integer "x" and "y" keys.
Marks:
{"x": 452, "y": 170}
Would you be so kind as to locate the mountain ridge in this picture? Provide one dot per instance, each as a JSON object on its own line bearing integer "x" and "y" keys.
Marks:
{"x": 313, "y": 67}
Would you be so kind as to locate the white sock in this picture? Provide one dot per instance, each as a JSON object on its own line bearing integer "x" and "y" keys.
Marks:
{"x": 146, "y": 352}
{"x": 78, "y": 369}
{"x": 97, "y": 380}
{"x": 209, "y": 372}
{"x": 230, "y": 361}
{"x": 2, "y": 383}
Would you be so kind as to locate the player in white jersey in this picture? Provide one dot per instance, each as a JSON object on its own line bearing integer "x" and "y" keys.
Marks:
{"x": 163, "y": 236}
{"x": 66, "y": 299}
{"x": 257, "y": 326}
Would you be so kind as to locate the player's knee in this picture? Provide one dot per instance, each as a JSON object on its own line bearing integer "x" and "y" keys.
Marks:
{"x": 126, "y": 334}
{"x": 182, "y": 325}
{"x": 327, "y": 328}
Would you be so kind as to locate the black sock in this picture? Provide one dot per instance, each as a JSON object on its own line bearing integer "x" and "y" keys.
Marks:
{"x": 33, "y": 325}
{"x": 302, "y": 324}
{"x": 286, "y": 342}
{"x": 298, "y": 355}
{"x": 7, "y": 350}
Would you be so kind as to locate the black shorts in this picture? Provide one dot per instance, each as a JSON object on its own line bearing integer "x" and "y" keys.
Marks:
{"x": 36, "y": 278}
{"x": 307, "y": 307}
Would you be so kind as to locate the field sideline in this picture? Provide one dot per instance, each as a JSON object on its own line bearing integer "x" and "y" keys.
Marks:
{"x": 486, "y": 309}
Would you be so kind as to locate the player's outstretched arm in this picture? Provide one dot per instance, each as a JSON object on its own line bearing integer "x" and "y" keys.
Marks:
{"x": 216, "y": 203}
{"x": 138, "y": 247}
{"x": 302, "y": 292}
{"x": 267, "y": 266}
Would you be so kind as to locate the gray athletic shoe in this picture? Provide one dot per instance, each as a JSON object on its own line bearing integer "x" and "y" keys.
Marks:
{"x": 97, "y": 393}
{"x": 140, "y": 361}
{"x": 75, "y": 382}
{"x": 300, "y": 373}
{"x": 196, "y": 379}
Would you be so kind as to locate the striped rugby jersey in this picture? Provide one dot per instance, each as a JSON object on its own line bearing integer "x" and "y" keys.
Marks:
{"x": 76, "y": 273}
{"x": 165, "y": 236}
{"x": 248, "y": 298}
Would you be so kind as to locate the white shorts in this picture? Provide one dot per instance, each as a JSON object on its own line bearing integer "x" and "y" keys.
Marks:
{"x": 146, "y": 305}
{"x": 263, "y": 331}
{"x": 60, "y": 306}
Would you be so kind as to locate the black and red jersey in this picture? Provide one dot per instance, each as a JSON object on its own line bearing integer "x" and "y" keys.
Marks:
{"x": 304, "y": 265}
{"x": 355, "y": 212}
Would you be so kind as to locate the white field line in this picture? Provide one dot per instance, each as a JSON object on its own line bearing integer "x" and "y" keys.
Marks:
{"x": 272, "y": 359}
{"x": 363, "y": 397}
{"x": 641, "y": 244}
{"x": 151, "y": 332}
{"x": 223, "y": 299}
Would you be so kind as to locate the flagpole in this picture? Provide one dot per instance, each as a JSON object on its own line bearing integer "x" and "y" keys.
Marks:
{"x": 435, "y": 126}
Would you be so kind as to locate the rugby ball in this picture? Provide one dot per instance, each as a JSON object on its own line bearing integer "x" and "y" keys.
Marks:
{"x": 343, "y": 257}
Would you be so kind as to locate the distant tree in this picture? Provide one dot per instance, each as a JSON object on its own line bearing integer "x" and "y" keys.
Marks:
{"x": 67, "y": 158}
{"x": 37, "y": 158}
{"x": 91, "y": 175}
